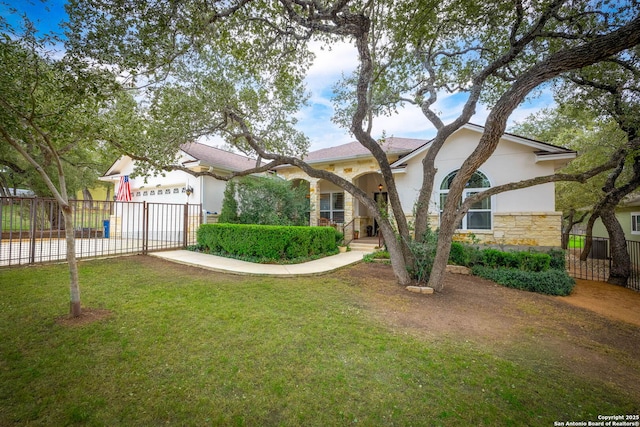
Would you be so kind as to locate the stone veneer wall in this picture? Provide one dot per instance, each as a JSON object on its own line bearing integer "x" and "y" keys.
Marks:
{"x": 515, "y": 228}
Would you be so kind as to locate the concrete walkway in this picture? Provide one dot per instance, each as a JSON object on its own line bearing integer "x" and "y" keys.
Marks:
{"x": 234, "y": 266}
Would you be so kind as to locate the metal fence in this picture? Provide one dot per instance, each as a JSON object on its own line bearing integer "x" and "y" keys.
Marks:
{"x": 598, "y": 263}
{"x": 34, "y": 229}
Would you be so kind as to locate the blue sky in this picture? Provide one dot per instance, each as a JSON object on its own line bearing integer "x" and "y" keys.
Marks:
{"x": 315, "y": 120}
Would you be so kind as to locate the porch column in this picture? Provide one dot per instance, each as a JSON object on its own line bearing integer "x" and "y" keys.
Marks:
{"x": 314, "y": 198}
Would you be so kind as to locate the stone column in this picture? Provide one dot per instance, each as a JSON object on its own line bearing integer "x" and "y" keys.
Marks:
{"x": 348, "y": 207}
{"x": 314, "y": 198}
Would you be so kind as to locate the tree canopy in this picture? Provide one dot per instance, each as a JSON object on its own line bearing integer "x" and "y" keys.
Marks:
{"x": 236, "y": 69}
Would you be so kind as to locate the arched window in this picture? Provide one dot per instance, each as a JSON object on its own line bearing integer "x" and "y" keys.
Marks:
{"x": 479, "y": 215}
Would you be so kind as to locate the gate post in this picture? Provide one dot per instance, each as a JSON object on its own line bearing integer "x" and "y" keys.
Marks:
{"x": 185, "y": 225}
{"x": 145, "y": 228}
{"x": 32, "y": 240}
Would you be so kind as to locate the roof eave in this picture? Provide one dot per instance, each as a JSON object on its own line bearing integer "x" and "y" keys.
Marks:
{"x": 546, "y": 157}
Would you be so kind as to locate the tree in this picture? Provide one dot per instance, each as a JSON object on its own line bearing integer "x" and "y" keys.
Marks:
{"x": 497, "y": 53}
{"x": 593, "y": 137}
{"x": 264, "y": 200}
{"x": 49, "y": 116}
{"x": 229, "y": 211}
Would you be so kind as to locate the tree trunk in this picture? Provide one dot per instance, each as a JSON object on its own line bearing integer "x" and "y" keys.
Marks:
{"x": 570, "y": 221}
{"x": 74, "y": 284}
{"x": 395, "y": 252}
{"x": 621, "y": 262}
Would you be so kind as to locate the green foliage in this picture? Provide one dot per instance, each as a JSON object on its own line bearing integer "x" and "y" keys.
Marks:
{"x": 551, "y": 282}
{"x": 229, "y": 211}
{"x": 424, "y": 254}
{"x": 527, "y": 261}
{"x": 459, "y": 254}
{"x": 265, "y": 201}
{"x": 52, "y": 114}
{"x": 558, "y": 260}
{"x": 267, "y": 243}
{"x": 468, "y": 256}
{"x": 384, "y": 255}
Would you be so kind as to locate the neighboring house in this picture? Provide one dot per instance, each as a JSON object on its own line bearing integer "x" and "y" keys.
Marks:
{"x": 179, "y": 186}
{"x": 628, "y": 214}
{"x": 522, "y": 217}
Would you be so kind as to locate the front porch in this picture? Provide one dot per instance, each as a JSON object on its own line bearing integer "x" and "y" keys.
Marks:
{"x": 330, "y": 205}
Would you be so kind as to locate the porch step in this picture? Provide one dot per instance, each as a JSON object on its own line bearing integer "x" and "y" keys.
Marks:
{"x": 363, "y": 246}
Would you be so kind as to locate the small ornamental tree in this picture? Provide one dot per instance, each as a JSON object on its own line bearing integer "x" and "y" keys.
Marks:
{"x": 51, "y": 117}
{"x": 229, "y": 211}
{"x": 266, "y": 201}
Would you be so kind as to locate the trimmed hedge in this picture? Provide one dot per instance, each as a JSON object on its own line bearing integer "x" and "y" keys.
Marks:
{"x": 470, "y": 256}
{"x": 268, "y": 242}
{"x": 531, "y": 271}
{"x": 550, "y": 282}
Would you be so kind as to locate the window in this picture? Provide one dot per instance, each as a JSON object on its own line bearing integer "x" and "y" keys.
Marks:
{"x": 635, "y": 222}
{"x": 479, "y": 215}
{"x": 332, "y": 206}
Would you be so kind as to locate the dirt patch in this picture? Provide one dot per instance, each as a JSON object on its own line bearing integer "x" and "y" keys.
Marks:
{"x": 88, "y": 316}
{"x": 593, "y": 333}
{"x": 614, "y": 302}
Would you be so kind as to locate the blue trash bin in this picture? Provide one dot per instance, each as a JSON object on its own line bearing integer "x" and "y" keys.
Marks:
{"x": 106, "y": 228}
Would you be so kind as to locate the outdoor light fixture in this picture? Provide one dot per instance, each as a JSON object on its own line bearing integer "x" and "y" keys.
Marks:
{"x": 380, "y": 187}
{"x": 189, "y": 190}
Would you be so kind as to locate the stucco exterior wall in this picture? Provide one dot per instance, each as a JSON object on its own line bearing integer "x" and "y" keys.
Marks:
{"x": 624, "y": 217}
{"x": 521, "y": 217}
{"x": 510, "y": 162}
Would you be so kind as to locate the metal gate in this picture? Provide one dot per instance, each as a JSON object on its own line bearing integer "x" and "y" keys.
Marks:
{"x": 598, "y": 263}
{"x": 34, "y": 229}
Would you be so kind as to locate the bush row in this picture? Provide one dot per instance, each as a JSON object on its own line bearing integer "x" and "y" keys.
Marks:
{"x": 551, "y": 282}
{"x": 470, "y": 256}
{"x": 531, "y": 271}
{"x": 268, "y": 242}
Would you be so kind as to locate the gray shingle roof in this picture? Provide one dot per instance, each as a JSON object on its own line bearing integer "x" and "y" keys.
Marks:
{"x": 218, "y": 158}
{"x": 391, "y": 146}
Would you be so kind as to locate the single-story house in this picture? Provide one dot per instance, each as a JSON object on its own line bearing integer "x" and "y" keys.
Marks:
{"x": 179, "y": 186}
{"x": 628, "y": 214}
{"x": 522, "y": 217}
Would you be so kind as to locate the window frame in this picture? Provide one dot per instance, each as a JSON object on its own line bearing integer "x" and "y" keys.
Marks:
{"x": 467, "y": 192}
{"x": 333, "y": 198}
{"x": 635, "y": 224}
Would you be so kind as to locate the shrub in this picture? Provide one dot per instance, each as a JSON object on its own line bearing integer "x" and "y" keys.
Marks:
{"x": 265, "y": 242}
{"x": 534, "y": 261}
{"x": 458, "y": 254}
{"x": 424, "y": 254}
{"x": 229, "y": 211}
{"x": 558, "y": 260}
{"x": 527, "y": 261}
{"x": 376, "y": 255}
{"x": 266, "y": 201}
{"x": 464, "y": 254}
{"x": 550, "y": 282}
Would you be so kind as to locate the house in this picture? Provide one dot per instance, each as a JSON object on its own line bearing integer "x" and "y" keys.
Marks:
{"x": 522, "y": 217}
{"x": 628, "y": 214}
{"x": 180, "y": 186}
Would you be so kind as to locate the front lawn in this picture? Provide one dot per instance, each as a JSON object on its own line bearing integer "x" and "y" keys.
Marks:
{"x": 190, "y": 347}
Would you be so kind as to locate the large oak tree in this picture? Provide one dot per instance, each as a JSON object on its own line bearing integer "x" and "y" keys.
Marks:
{"x": 249, "y": 57}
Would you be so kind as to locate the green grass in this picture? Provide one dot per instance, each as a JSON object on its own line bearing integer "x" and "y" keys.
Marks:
{"x": 576, "y": 242}
{"x": 18, "y": 218}
{"x": 185, "y": 347}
